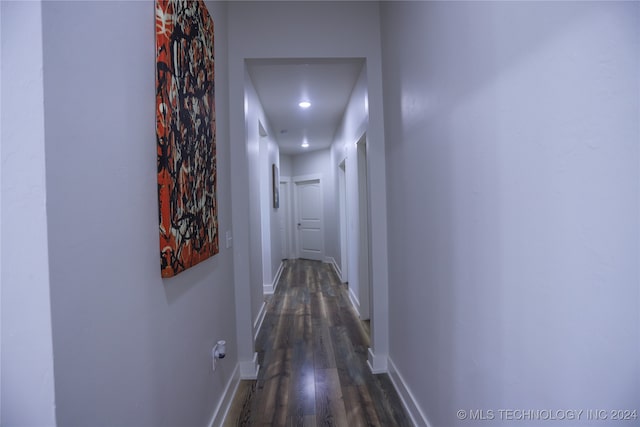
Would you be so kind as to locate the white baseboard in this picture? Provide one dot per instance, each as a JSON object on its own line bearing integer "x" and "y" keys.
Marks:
{"x": 270, "y": 288}
{"x": 408, "y": 400}
{"x": 377, "y": 363}
{"x": 278, "y": 274}
{"x": 227, "y": 397}
{"x": 354, "y": 301}
{"x": 257, "y": 325}
{"x": 249, "y": 369}
{"x": 331, "y": 260}
{"x": 267, "y": 288}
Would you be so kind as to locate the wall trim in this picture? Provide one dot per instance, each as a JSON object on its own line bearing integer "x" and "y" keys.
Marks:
{"x": 227, "y": 397}
{"x": 257, "y": 325}
{"x": 270, "y": 288}
{"x": 377, "y": 362}
{"x": 267, "y": 289}
{"x": 408, "y": 400}
{"x": 309, "y": 177}
{"x": 331, "y": 260}
{"x": 249, "y": 368}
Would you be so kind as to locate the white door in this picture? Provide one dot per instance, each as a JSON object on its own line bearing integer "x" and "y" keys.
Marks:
{"x": 309, "y": 220}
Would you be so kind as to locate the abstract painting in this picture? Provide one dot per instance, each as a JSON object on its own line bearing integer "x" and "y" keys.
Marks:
{"x": 186, "y": 134}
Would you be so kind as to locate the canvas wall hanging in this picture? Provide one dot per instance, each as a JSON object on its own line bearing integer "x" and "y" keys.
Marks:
{"x": 186, "y": 134}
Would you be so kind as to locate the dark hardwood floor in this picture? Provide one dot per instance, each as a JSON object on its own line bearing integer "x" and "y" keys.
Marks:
{"x": 312, "y": 350}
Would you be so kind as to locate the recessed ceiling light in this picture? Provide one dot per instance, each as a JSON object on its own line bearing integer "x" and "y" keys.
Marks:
{"x": 304, "y": 104}
{"x": 305, "y": 144}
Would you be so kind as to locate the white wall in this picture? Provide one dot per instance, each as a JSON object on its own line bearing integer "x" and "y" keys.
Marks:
{"x": 1, "y": 49}
{"x": 313, "y": 162}
{"x": 129, "y": 347}
{"x": 319, "y": 163}
{"x": 286, "y": 205}
{"x": 512, "y": 146}
{"x": 286, "y": 165}
{"x": 353, "y": 126}
{"x": 273, "y": 158}
{"x": 27, "y": 389}
{"x": 275, "y": 30}
{"x": 264, "y": 227}
{"x": 259, "y": 234}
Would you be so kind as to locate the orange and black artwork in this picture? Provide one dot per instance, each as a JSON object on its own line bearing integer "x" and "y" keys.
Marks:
{"x": 186, "y": 134}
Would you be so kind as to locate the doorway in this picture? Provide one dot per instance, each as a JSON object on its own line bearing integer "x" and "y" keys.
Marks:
{"x": 308, "y": 218}
{"x": 342, "y": 206}
{"x": 284, "y": 218}
{"x": 364, "y": 252}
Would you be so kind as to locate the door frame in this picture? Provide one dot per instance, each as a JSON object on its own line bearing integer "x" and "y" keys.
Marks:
{"x": 343, "y": 213}
{"x": 240, "y": 167}
{"x": 296, "y": 180}
{"x": 364, "y": 249}
{"x": 288, "y": 248}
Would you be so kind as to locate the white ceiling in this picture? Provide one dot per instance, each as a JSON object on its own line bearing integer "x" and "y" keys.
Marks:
{"x": 282, "y": 83}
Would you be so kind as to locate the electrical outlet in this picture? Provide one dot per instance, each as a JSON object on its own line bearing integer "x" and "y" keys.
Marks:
{"x": 219, "y": 351}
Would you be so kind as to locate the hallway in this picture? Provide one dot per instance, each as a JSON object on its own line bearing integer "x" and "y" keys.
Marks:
{"x": 503, "y": 174}
{"x": 312, "y": 352}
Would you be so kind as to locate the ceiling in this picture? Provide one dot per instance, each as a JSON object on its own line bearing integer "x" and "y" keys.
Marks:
{"x": 282, "y": 83}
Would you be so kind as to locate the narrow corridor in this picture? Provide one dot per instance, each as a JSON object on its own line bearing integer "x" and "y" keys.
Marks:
{"x": 312, "y": 351}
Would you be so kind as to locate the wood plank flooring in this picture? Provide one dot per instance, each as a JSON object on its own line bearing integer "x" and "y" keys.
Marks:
{"x": 312, "y": 350}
